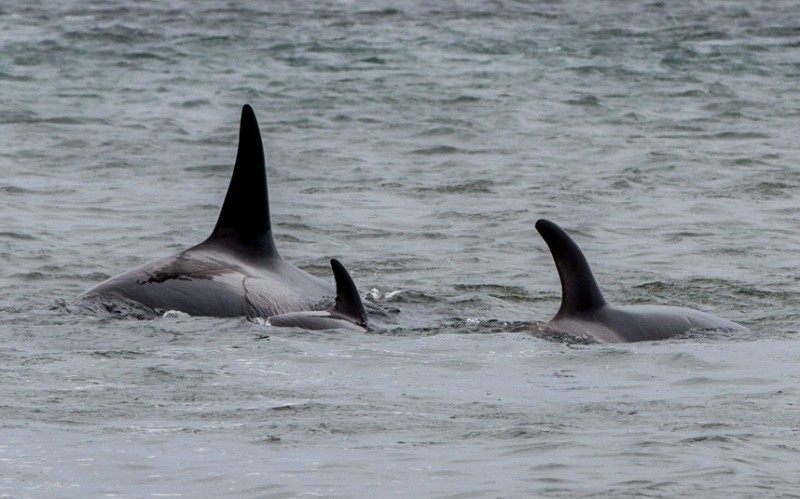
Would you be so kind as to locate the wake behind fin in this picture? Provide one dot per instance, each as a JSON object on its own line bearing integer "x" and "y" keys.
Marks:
{"x": 245, "y": 212}
{"x": 579, "y": 289}
{"x": 348, "y": 301}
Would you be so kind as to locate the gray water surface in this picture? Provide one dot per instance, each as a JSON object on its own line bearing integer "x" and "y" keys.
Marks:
{"x": 418, "y": 143}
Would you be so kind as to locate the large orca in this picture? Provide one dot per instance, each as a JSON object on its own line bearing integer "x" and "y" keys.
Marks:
{"x": 236, "y": 271}
{"x": 348, "y": 313}
{"x": 584, "y": 312}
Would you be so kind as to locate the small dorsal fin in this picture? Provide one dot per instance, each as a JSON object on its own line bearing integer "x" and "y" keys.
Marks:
{"x": 245, "y": 212}
{"x": 579, "y": 289}
{"x": 348, "y": 301}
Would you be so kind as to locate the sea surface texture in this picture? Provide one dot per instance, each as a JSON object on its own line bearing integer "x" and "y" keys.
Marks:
{"x": 418, "y": 143}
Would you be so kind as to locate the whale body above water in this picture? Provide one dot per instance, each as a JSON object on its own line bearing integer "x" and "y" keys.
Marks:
{"x": 347, "y": 313}
{"x": 585, "y": 313}
{"x": 236, "y": 271}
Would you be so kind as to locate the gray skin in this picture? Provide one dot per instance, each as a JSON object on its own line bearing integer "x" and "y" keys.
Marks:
{"x": 237, "y": 271}
{"x": 585, "y": 313}
{"x": 348, "y": 313}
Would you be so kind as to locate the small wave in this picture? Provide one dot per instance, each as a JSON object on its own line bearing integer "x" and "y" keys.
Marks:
{"x": 512, "y": 293}
{"x": 586, "y": 100}
{"x": 118, "y": 33}
{"x": 401, "y": 296}
{"x": 52, "y": 120}
{"x": 387, "y": 12}
{"x": 439, "y": 131}
{"x": 17, "y": 235}
{"x": 15, "y": 78}
{"x": 736, "y": 136}
{"x": 374, "y": 60}
{"x": 117, "y": 354}
{"x": 462, "y": 99}
{"x": 13, "y": 189}
{"x": 436, "y": 150}
{"x": 194, "y": 103}
{"x": 472, "y": 187}
{"x": 175, "y": 314}
{"x": 139, "y": 55}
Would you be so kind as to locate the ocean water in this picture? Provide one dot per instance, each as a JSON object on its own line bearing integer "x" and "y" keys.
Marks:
{"x": 418, "y": 143}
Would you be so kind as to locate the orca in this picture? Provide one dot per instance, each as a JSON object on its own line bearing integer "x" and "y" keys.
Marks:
{"x": 584, "y": 312}
{"x": 348, "y": 313}
{"x": 236, "y": 271}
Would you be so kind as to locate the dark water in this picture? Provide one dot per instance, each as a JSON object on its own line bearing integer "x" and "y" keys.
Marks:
{"x": 418, "y": 143}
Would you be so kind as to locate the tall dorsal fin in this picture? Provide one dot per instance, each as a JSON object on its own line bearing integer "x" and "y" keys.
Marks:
{"x": 579, "y": 289}
{"x": 245, "y": 212}
{"x": 348, "y": 301}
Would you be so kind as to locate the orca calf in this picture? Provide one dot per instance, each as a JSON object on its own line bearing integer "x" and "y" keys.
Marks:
{"x": 585, "y": 313}
{"x": 236, "y": 271}
{"x": 348, "y": 313}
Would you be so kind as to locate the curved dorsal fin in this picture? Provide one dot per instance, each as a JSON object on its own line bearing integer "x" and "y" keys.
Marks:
{"x": 245, "y": 212}
{"x": 579, "y": 289}
{"x": 348, "y": 301}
